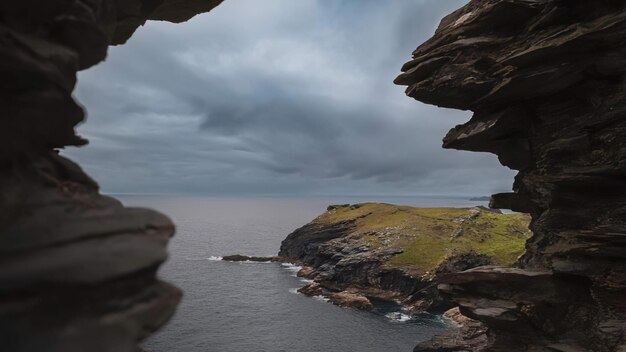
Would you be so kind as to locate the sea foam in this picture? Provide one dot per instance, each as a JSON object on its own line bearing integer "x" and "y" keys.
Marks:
{"x": 398, "y": 317}
{"x": 291, "y": 267}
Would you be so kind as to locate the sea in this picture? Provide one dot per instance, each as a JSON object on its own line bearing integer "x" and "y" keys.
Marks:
{"x": 254, "y": 307}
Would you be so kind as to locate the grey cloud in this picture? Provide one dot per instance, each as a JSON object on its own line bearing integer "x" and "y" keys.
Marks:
{"x": 278, "y": 96}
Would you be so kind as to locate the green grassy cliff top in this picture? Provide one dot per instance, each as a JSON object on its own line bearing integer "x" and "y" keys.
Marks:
{"x": 428, "y": 235}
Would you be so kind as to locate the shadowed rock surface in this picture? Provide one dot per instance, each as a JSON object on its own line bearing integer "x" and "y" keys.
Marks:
{"x": 545, "y": 80}
{"x": 78, "y": 269}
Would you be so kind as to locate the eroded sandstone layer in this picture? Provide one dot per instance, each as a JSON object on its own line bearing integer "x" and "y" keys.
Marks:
{"x": 78, "y": 269}
{"x": 545, "y": 80}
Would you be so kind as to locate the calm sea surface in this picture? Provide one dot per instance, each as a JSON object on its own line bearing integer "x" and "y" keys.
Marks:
{"x": 236, "y": 307}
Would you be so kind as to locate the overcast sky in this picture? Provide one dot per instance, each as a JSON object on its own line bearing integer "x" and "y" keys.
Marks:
{"x": 276, "y": 97}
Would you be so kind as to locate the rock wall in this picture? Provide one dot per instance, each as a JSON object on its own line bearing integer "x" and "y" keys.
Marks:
{"x": 339, "y": 262}
{"x": 78, "y": 269}
{"x": 545, "y": 80}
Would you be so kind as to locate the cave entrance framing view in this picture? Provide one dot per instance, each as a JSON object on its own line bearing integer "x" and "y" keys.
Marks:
{"x": 544, "y": 78}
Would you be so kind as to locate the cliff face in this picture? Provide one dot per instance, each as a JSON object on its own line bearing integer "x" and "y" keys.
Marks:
{"x": 545, "y": 80}
{"x": 388, "y": 251}
{"x": 77, "y": 271}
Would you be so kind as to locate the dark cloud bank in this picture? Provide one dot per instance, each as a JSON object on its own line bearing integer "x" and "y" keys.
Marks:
{"x": 276, "y": 97}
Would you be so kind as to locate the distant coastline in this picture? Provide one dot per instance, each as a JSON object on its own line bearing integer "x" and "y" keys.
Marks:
{"x": 481, "y": 199}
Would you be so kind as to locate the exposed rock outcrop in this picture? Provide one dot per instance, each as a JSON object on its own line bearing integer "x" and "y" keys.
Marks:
{"x": 398, "y": 252}
{"x": 246, "y": 258}
{"x": 351, "y": 300}
{"x": 471, "y": 336}
{"x": 78, "y": 269}
{"x": 545, "y": 80}
{"x": 312, "y": 289}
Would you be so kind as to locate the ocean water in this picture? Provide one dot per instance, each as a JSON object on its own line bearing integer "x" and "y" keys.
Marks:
{"x": 235, "y": 307}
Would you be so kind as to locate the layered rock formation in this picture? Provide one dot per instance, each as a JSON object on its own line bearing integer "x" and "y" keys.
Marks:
{"x": 399, "y": 252}
{"x": 545, "y": 80}
{"x": 78, "y": 269}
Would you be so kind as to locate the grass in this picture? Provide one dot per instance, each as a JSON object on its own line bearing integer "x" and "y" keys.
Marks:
{"x": 428, "y": 235}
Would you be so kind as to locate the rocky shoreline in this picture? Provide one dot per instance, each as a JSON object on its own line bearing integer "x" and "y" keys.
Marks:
{"x": 354, "y": 253}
